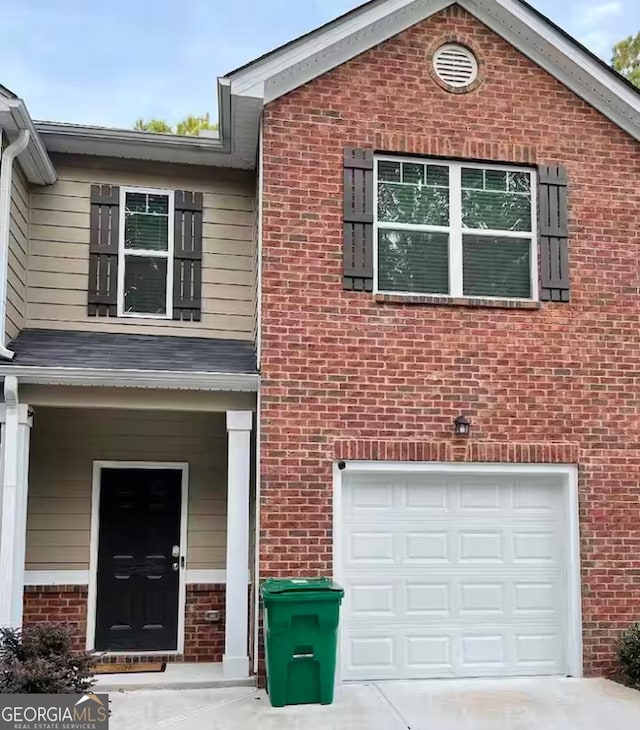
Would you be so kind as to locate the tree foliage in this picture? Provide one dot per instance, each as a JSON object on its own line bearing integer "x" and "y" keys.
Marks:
{"x": 190, "y": 126}
{"x": 626, "y": 58}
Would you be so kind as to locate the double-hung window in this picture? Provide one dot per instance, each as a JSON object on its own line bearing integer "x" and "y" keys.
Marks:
{"x": 145, "y": 270}
{"x": 455, "y": 229}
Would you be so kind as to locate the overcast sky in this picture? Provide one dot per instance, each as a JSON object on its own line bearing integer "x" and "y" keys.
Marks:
{"x": 108, "y": 63}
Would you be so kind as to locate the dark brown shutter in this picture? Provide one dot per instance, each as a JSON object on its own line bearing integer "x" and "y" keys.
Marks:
{"x": 103, "y": 251}
{"x": 187, "y": 268}
{"x": 553, "y": 233}
{"x": 358, "y": 219}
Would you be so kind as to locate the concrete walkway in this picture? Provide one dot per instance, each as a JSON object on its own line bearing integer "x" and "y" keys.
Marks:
{"x": 177, "y": 675}
{"x": 517, "y": 704}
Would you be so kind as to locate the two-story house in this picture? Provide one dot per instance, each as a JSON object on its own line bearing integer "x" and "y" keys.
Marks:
{"x": 418, "y": 224}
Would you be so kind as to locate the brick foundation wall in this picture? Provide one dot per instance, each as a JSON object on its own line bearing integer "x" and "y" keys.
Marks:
{"x": 346, "y": 376}
{"x": 58, "y": 604}
{"x": 204, "y": 641}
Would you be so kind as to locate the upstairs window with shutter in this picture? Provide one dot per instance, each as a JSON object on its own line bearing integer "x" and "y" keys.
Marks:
{"x": 455, "y": 229}
{"x": 145, "y": 267}
{"x": 145, "y": 254}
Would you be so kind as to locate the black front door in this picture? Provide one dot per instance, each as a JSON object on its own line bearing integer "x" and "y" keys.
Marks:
{"x": 138, "y": 572}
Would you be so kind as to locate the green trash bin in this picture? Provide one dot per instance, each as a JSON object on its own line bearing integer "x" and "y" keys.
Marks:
{"x": 301, "y": 618}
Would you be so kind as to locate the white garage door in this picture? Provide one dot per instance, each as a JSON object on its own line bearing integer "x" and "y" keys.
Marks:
{"x": 449, "y": 576}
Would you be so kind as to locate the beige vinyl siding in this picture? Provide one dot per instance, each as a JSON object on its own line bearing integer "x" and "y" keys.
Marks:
{"x": 59, "y": 250}
{"x": 64, "y": 444}
{"x": 18, "y": 250}
{"x": 256, "y": 265}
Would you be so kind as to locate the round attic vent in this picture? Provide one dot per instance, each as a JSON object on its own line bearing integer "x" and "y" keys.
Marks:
{"x": 455, "y": 65}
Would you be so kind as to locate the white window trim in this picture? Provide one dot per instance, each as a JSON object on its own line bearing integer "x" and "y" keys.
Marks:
{"x": 168, "y": 254}
{"x": 456, "y": 232}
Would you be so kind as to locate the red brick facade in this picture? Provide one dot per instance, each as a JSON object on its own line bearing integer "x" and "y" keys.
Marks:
{"x": 203, "y": 640}
{"x": 58, "y": 604}
{"x": 346, "y": 376}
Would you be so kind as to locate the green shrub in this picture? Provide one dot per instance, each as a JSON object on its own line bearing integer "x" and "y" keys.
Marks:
{"x": 39, "y": 660}
{"x": 629, "y": 654}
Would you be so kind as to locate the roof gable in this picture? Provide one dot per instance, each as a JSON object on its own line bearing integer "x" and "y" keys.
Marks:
{"x": 544, "y": 43}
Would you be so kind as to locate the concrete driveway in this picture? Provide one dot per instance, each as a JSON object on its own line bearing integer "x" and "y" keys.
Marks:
{"x": 516, "y": 704}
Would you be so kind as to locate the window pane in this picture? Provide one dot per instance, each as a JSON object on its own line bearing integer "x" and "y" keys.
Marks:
{"x": 413, "y": 173}
{"x": 413, "y": 261}
{"x": 389, "y": 171}
{"x": 146, "y": 223}
{"x": 496, "y": 267}
{"x": 159, "y": 204}
{"x": 420, "y": 196}
{"x": 145, "y": 285}
{"x": 496, "y": 200}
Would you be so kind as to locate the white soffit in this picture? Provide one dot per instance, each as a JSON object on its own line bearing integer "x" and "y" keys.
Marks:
{"x": 313, "y": 55}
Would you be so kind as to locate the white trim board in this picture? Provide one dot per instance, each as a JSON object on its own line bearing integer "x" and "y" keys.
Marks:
{"x": 98, "y": 466}
{"x": 81, "y": 577}
{"x": 569, "y": 476}
{"x": 163, "y": 379}
{"x": 56, "y": 578}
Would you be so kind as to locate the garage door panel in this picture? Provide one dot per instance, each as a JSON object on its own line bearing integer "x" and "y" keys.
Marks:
{"x": 483, "y": 650}
{"x": 371, "y": 496}
{"x": 538, "y": 649}
{"x": 540, "y": 495}
{"x": 536, "y": 546}
{"x": 484, "y": 495}
{"x": 442, "y": 580}
{"x": 376, "y": 600}
{"x": 424, "y": 547}
{"x": 427, "y": 599}
{"x": 482, "y": 598}
{"x": 471, "y": 519}
{"x": 535, "y": 597}
{"x": 371, "y": 547}
{"x": 375, "y": 655}
{"x": 399, "y": 542}
{"x": 431, "y": 654}
{"x": 418, "y": 495}
{"x": 451, "y": 600}
{"x": 481, "y": 547}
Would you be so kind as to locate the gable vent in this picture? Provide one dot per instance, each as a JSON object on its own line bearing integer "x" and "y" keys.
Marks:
{"x": 455, "y": 65}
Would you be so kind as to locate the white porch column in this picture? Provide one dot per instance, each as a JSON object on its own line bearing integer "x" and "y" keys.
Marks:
{"x": 16, "y": 420}
{"x": 235, "y": 662}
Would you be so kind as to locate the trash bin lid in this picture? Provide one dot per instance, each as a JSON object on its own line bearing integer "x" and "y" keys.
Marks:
{"x": 278, "y": 586}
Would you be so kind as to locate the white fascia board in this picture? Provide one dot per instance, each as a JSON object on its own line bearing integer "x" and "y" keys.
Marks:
{"x": 161, "y": 379}
{"x": 136, "y": 145}
{"x": 35, "y": 161}
{"x": 330, "y": 47}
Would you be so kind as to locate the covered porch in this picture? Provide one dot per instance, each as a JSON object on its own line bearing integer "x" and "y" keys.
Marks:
{"x": 128, "y": 513}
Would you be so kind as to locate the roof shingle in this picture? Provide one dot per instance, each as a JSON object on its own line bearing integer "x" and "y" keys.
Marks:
{"x": 98, "y": 350}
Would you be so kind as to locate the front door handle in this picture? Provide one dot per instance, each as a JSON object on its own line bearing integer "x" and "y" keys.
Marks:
{"x": 175, "y": 566}
{"x": 175, "y": 551}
